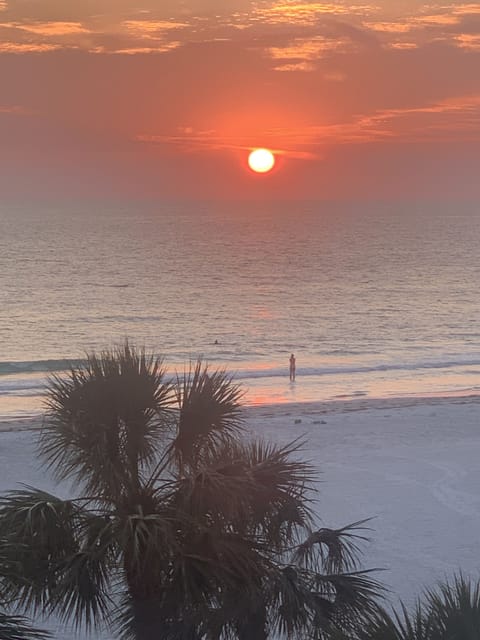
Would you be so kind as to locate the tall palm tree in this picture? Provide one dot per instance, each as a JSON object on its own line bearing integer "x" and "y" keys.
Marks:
{"x": 181, "y": 528}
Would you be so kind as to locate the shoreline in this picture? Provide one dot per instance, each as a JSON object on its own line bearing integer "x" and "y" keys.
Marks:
{"x": 328, "y": 407}
{"x": 301, "y": 409}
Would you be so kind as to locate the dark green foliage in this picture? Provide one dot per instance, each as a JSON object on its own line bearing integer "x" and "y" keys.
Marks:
{"x": 451, "y": 612}
{"x": 209, "y": 412}
{"x": 455, "y": 610}
{"x": 185, "y": 529}
{"x": 13, "y": 627}
{"x": 105, "y": 419}
{"x": 17, "y": 628}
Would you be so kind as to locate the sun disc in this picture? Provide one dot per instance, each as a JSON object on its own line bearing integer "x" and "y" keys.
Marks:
{"x": 261, "y": 160}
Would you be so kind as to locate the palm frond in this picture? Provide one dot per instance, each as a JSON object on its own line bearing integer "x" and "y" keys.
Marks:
{"x": 453, "y": 609}
{"x": 241, "y": 616}
{"x": 186, "y": 597}
{"x": 148, "y": 542}
{"x": 58, "y": 555}
{"x": 324, "y": 604}
{"x": 38, "y": 533}
{"x": 450, "y": 611}
{"x": 213, "y": 494}
{"x": 253, "y": 489}
{"x": 212, "y": 571}
{"x": 332, "y": 550}
{"x": 294, "y": 607}
{"x": 136, "y": 619}
{"x": 281, "y": 489}
{"x": 82, "y": 593}
{"x": 18, "y": 628}
{"x": 105, "y": 419}
{"x": 355, "y": 596}
{"x": 403, "y": 625}
{"x": 209, "y": 411}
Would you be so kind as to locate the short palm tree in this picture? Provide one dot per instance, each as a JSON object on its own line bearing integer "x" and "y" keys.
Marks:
{"x": 181, "y": 528}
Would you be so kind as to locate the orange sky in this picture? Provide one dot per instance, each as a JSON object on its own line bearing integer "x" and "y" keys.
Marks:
{"x": 163, "y": 98}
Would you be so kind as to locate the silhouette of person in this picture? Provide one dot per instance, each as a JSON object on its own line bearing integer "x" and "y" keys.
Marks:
{"x": 292, "y": 368}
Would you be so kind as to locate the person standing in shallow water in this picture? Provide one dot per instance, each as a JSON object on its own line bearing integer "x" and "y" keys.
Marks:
{"x": 292, "y": 368}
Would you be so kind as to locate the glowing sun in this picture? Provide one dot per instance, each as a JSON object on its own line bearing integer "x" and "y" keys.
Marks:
{"x": 261, "y": 160}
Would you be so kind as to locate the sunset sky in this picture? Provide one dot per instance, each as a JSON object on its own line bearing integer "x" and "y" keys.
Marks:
{"x": 164, "y": 98}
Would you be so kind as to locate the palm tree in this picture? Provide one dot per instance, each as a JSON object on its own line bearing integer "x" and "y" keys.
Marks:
{"x": 182, "y": 528}
{"x": 450, "y": 612}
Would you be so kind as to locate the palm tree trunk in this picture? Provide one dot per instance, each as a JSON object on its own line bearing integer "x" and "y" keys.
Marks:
{"x": 149, "y": 623}
{"x": 254, "y": 627}
{"x": 146, "y": 622}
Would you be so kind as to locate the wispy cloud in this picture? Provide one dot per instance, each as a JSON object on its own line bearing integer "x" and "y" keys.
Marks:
{"x": 126, "y": 37}
{"x": 452, "y": 23}
{"x": 49, "y": 28}
{"x": 333, "y": 37}
{"x": 468, "y": 41}
{"x": 446, "y": 120}
{"x": 403, "y": 45}
{"x": 198, "y": 141}
{"x": 462, "y": 9}
{"x": 391, "y": 27}
{"x": 149, "y": 36}
{"x": 14, "y": 110}
{"x": 27, "y": 47}
{"x": 307, "y": 13}
{"x": 415, "y": 23}
{"x": 151, "y": 28}
{"x": 308, "y": 49}
{"x": 450, "y": 119}
{"x": 160, "y": 48}
{"x": 299, "y": 32}
{"x": 39, "y": 37}
{"x": 437, "y": 19}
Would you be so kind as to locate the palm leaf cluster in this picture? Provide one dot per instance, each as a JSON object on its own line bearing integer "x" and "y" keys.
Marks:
{"x": 450, "y": 612}
{"x": 13, "y": 627}
{"x": 182, "y": 528}
{"x": 17, "y": 628}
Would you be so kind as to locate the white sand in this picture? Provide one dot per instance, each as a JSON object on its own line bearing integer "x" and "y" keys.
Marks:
{"x": 413, "y": 465}
{"x": 415, "y": 468}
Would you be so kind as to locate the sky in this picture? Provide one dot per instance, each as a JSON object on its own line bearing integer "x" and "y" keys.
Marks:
{"x": 165, "y": 99}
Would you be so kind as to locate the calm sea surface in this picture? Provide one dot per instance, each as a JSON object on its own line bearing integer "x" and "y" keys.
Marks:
{"x": 374, "y": 300}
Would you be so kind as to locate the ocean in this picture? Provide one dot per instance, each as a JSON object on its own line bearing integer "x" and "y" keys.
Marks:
{"x": 375, "y": 300}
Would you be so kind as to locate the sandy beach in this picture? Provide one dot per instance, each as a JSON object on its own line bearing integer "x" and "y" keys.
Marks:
{"x": 409, "y": 464}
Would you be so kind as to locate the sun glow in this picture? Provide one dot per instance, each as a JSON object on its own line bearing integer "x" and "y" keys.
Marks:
{"x": 261, "y": 160}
